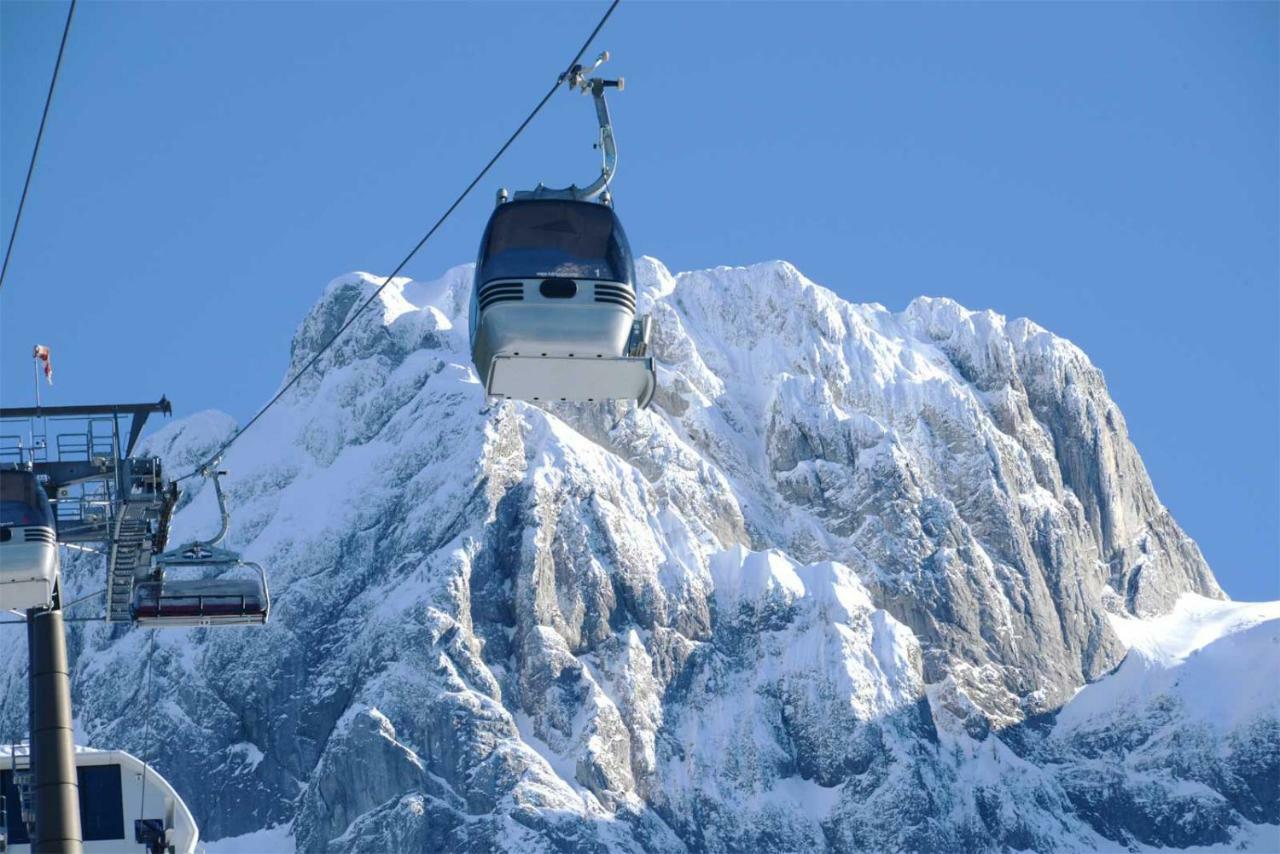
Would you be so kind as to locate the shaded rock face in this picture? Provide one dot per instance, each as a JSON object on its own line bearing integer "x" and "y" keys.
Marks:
{"x": 823, "y": 596}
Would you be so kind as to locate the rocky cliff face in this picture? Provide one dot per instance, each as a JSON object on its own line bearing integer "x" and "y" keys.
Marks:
{"x": 837, "y": 590}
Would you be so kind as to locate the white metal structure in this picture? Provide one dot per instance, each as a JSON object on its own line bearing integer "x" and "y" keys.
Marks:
{"x": 114, "y": 791}
{"x": 28, "y": 542}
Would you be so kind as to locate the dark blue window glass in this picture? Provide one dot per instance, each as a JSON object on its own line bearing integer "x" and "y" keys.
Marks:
{"x": 101, "y": 804}
{"x": 22, "y": 500}
{"x": 554, "y": 239}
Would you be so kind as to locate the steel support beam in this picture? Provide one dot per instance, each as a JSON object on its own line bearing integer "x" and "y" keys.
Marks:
{"x": 62, "y": 474}
{"x": 139, "y": 412}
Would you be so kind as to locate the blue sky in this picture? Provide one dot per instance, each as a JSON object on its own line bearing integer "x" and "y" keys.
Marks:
{"x": 1109, "y": 170}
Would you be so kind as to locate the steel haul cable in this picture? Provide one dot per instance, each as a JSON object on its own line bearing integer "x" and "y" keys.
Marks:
{"x": 44, "y": 117}
{"x": 217, "y": 455}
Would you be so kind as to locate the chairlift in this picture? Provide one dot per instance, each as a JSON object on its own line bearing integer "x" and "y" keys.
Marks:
{"x": 202, "y": 600}
{"x": 553, "y": 307}
{"x": 28, "y": 541}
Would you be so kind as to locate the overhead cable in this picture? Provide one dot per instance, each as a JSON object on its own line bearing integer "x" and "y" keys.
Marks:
{"x": 35, "y": 151}
{"x": 212, "y": 462}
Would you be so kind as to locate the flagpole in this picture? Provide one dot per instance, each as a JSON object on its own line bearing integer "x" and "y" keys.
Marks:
{"x": 31, "y": 422}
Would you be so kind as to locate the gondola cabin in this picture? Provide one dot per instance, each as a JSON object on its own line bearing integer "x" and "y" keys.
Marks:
{"x": 28, "y": 542}
{"x": 553, "y": 310}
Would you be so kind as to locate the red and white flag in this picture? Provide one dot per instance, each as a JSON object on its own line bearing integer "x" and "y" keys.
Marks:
{"x": 41, "y": 352}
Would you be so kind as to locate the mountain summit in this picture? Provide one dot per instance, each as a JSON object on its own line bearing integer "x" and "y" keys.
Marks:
{"x": 858, "y": 580}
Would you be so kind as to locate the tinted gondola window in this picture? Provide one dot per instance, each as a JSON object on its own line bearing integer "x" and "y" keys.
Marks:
{"x": 565, "y": 239}
{"x": 22, "y": 501}
{"x": 102, "y": 802}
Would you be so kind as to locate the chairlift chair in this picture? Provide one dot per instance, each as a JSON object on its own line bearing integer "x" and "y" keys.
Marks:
{"x": 553, "y": 307}
{"x": 163, "y": 600}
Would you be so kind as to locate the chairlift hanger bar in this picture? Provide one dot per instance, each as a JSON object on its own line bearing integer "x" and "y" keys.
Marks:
{"x": 576, "y": 78}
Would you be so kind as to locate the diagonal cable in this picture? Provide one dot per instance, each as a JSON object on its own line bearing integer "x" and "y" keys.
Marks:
{"x": 44, "y": 117}
{"x": 213, "y": 460}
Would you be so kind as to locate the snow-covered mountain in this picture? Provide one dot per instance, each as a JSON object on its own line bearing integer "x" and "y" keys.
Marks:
{"x": 859, "y": 580}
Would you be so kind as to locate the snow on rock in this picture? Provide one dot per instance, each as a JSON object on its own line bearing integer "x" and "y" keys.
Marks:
{"x": 186, "y": 443}
{"x": 1178, "y": 746}
{"x": 830, "y": 593}
{"x": 1218, "y": 662}
{"x": 267, "y": 841}
{"x": 801, "y": 683}
{"x": 1194, "y": 623}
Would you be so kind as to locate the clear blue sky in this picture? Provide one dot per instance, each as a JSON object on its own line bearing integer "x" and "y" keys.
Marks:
{"x": 1109, "y": 170}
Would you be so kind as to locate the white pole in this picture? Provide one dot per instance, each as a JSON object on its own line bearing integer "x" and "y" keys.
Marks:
{"x": 31, "y": 422}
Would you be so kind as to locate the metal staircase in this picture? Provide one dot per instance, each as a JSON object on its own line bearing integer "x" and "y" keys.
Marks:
{"x": 140, "y": 529}
{"x": 130, "y": 556}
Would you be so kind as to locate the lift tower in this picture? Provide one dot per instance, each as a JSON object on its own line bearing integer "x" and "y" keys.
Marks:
{"x": 102, "y": 495}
